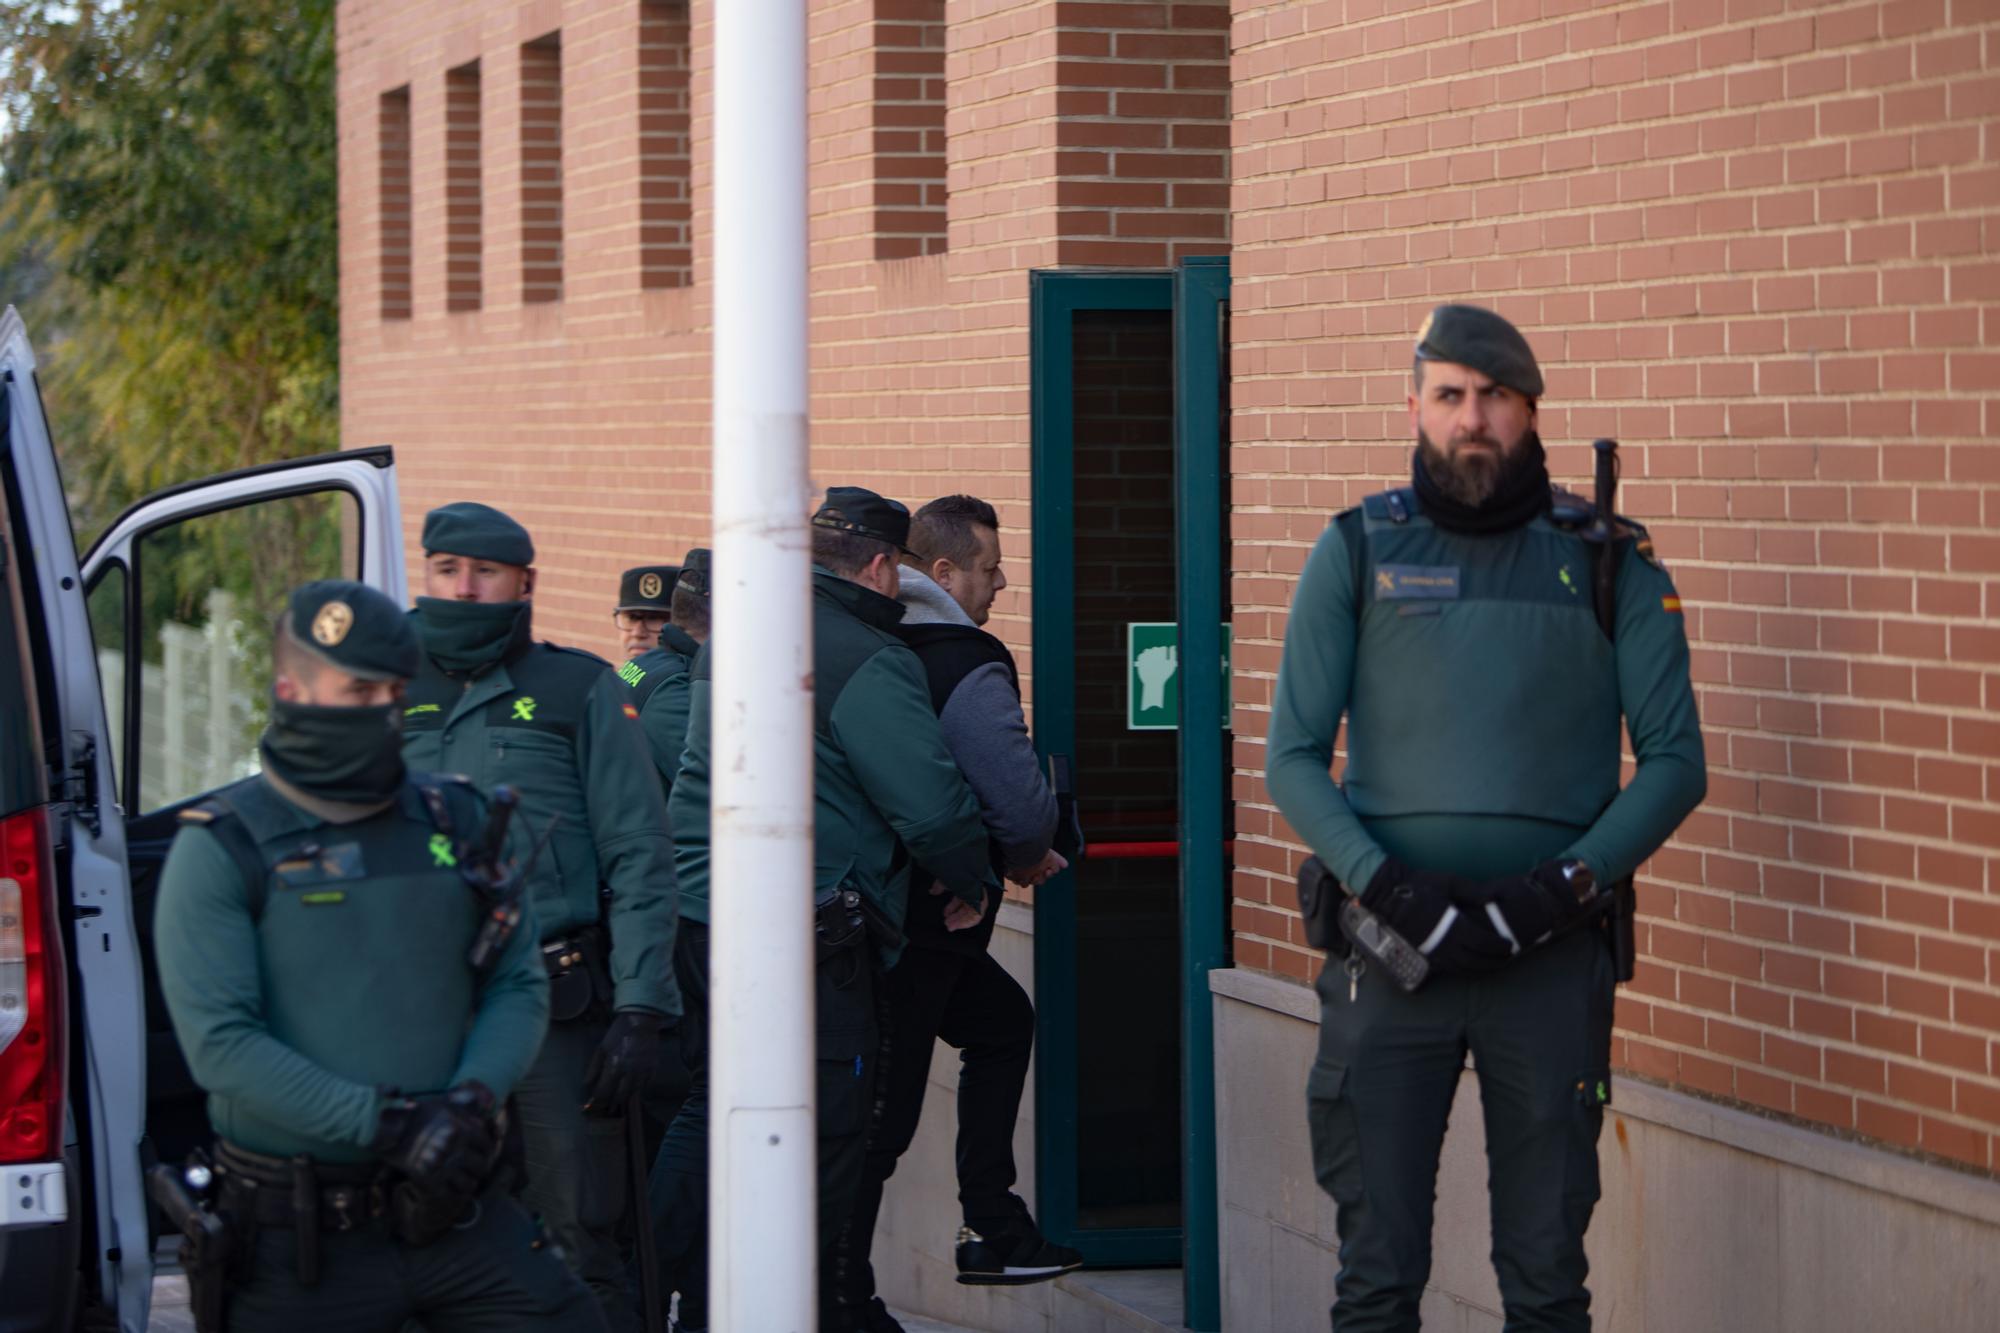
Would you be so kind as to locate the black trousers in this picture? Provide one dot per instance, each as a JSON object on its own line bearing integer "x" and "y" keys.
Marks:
{"x": 848, "y": 1041}
{"x": 492, "y": 1273}
{"x": 973, "y": 1004}
{"x": 1380, "y": 1093}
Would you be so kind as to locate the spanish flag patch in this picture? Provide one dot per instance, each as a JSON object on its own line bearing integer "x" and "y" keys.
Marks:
{"x": 1672, "y": 604}
{"x": 633, "y": 713}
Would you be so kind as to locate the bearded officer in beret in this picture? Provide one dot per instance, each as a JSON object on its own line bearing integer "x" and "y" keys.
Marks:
{"x": 1481, "y": 819}
{"x": 645, "y": 606}
{"x": 316, "y": 945}
{"x": 558, "y": 725}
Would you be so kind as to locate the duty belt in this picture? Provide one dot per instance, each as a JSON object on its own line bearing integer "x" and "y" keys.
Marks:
{"x": 267, "y": 1190}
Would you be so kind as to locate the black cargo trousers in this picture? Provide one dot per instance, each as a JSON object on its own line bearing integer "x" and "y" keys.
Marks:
{"x": 1380, "y": 1092}
{"x": 847, "y": 1041}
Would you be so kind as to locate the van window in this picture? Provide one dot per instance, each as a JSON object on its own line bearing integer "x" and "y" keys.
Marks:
{"x": 208, "y": 589}
{"x": 107, "y": 631}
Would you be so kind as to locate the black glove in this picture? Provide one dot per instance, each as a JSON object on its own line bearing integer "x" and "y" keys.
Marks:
{"x": 1434, "y": 911}
{"x": 1413, "y": 903}
{"x": 1530, "y": 910}
{"x": 443, "y": 1144}
{"x": 633, "y": 1053}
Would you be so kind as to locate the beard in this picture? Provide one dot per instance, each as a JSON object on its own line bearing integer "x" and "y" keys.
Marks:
{"x": 1472, "y": 477}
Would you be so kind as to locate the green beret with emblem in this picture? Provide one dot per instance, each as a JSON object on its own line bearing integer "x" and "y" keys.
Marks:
{"x": 647, "y": 588}
{"x": 695, "y": 571}
{"x": 865, "y": 514}
{"x": 353, "y": 627}
{"x": 1468, "y": 335}
{"x": 478, "y": 531}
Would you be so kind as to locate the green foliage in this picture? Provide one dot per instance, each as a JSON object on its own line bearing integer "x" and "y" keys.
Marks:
{"x": 168, "y": 228}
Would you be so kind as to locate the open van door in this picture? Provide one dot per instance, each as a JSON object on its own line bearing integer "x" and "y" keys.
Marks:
{"x": 98, "y": 1007}
{"x": 159, "y": 647}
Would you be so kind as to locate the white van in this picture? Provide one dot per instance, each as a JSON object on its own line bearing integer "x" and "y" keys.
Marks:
{"x": 132, "y": 683}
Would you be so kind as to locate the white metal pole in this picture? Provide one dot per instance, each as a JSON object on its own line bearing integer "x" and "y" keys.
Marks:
{"x": 763, "y": 1270}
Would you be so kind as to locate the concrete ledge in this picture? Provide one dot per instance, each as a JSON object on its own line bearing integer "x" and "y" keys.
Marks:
{"x": 1969, "y": 1196}
{"x": 1266, "y": 992}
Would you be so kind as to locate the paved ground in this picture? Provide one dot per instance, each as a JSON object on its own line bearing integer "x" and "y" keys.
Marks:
{"x": 170, "y": 1311}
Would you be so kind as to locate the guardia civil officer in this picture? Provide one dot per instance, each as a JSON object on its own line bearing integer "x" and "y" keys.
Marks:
{"x": 645, "y": 606}
{"x": 885, "y": 792}
{"x": 316, "y": 948}
{"x": 659, "y": 677}
{"x": 558, "y": 725}
{"x": 1480, "y": 816}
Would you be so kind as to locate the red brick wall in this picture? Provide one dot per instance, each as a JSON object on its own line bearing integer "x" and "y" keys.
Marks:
{"x": 586, "y": 415}
{"x": 1756, "y": 241}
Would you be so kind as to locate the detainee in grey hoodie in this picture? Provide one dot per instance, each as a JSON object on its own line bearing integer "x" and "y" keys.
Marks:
{"x": 946, "y": 985}
{"x": 986, "y": 731}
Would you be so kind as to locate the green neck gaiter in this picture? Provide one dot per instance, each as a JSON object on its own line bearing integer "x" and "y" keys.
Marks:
{"x": 466, "y": 637}
{"x": 338, "y": 754}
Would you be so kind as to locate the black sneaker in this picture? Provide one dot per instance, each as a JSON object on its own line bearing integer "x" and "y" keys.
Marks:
{"x": 1011, "y": 1254}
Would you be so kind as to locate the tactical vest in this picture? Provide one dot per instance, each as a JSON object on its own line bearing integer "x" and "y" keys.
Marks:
{"x": 362, "y": 935}
{"x": 1471, "y": 653}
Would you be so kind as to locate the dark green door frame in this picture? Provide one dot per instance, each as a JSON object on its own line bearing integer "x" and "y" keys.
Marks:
{"x": 1196, "y": 293}
{"x": 1201, "y": 294}
{"x": 1054, "y": 297}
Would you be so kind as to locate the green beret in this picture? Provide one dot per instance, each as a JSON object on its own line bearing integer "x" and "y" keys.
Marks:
{"x": 865, "y": 514}
{"x": 480, "y": 531}
{"x": 1467, "y": 335}
{"x": 647, "y": 588}
{"x": 695, "y": 571}
{"x": 353, "y": 627}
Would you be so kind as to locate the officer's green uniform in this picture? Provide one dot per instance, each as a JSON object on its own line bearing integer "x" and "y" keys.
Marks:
{"x": 1483, "y": 705}
{"x": 312, "y": 940}
{"x": 885, "y": 793}
{"x": 660, "y": 677}
{"x": 558, "y": 725}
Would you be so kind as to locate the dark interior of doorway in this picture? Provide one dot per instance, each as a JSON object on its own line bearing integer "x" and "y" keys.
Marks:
{"x": 1127, "y": 897}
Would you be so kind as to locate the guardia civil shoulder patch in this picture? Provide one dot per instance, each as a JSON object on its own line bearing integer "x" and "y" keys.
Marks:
{"x": 631, "y": 712}
{"x": 1672, "y": 604}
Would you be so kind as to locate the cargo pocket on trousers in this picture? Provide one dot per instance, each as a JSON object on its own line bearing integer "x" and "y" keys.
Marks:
{"x": 1590, "y": 1093}
{"x": 841, "y": 1072}
{"x": 1330, "y": 1120}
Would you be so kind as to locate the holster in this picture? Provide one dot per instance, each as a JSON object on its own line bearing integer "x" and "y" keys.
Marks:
{"x": 1320, "y": 897}
{"x": 1622, "y": 924}
{"x": 213, "y": 1249}
{"x": 838, "y": 924}
{"x": 579, "y": 968}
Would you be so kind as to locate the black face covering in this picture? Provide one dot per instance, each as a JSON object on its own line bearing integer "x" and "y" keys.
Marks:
{"x": 337, "y": 754}
{"x": 471, "y": 636}
{"x": 1522, "y": 493}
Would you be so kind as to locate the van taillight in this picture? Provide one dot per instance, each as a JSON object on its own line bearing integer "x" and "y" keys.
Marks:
{"x": 32, "y": 1053}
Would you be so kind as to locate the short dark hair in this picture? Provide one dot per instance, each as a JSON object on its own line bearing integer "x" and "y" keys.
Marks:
{"x": 846, "y": 553}
{"x": 690, "y": 611}
{"x": 944, "y": 529}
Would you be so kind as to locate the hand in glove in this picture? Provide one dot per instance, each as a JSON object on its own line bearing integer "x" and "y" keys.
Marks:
{"x": 443, "y": 1144}
{"x": 1529, "y": 910}
{"x": 633, "y": 1053}
{"x": 1430, "y": 910}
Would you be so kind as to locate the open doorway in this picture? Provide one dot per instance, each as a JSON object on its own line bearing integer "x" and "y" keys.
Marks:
{"x": 1130, "y": 506}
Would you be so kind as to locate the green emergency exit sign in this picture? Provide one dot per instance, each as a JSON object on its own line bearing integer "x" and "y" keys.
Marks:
{"x": 1152, "y": 670}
